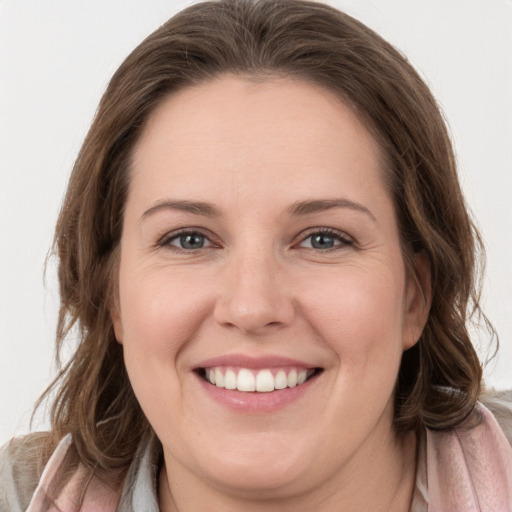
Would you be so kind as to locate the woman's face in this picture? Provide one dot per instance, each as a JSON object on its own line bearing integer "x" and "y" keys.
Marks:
{"x": 260, "y": 248}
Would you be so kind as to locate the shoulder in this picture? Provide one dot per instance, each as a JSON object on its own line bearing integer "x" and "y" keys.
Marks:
{"x": 500, "y": 405}
{"x": 470, "y": 466}
{"x": 37, "y": 474}
{"x": 22, "y": 461}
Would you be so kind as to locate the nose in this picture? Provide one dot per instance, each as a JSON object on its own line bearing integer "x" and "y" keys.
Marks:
{"x": 254, "y": 293}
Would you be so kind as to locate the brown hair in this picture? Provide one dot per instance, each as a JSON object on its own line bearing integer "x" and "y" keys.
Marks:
{"x": 439, "y": 379}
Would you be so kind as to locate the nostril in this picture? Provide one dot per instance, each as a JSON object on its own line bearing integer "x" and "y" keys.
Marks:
{"x": 253, "y": 320}
{"x": 253, "y": 302}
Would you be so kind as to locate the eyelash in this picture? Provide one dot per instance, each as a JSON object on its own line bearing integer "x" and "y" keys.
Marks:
{"x": 341, "y": 240}
{"x": 338, "y": 236}
{"x": 167, "y": 239}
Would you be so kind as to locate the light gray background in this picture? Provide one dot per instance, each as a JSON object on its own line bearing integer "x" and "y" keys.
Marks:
{"x": 56, "y": 57}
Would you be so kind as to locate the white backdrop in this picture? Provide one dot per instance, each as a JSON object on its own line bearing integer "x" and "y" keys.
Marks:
{"x": 56, "y": 57}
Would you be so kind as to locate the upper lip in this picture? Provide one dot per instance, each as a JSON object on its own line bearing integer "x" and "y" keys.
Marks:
{"x": 254, "y": 363}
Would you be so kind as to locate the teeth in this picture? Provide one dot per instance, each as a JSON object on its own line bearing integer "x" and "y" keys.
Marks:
{"x": 219, "y": 378}
{"x": 230, "y": 380}
{"x": 245, "y": 381}
{"x": 281, "y": 382}
{"x": 292, "y": 379}
{"x": 262, "y": 381}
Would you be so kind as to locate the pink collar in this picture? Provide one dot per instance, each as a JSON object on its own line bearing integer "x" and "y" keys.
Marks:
{"x": 468, "y": 469}
{"x": 61, "y": 488}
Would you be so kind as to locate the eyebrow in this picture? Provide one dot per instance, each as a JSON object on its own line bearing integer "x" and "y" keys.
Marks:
{"x": 194, "y": 207}
{"x": 296, "y": 209}
{"x": 321, "y": 205}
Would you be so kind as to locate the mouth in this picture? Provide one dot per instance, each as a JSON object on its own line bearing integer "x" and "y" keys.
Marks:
{"x": 250, "y": 380}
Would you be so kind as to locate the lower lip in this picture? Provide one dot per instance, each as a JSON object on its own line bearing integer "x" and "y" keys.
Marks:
{"x": 254, "y": 402}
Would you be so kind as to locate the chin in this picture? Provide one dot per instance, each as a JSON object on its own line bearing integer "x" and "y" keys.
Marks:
{"x": 268, "y": 467}
{"x": 258, "y": 480}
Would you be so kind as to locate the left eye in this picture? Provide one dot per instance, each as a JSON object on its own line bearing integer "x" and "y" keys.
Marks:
{"x": 188, "y": 241}
{"x": 325, "y": 240}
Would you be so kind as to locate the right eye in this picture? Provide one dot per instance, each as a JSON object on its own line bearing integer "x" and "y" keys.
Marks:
{"x": 187, "y": 241}
{"x": 326, "y": 239}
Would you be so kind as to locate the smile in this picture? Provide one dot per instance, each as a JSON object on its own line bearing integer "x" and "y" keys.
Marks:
{"x": 260, "y": 381}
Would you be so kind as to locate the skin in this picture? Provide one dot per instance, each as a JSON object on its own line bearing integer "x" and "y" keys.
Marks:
{"x": 253, "y": 150}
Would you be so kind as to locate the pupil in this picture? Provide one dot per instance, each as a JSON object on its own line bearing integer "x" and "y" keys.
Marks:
{"x": 322, "y": 241}
{"x": 193, "y": 241}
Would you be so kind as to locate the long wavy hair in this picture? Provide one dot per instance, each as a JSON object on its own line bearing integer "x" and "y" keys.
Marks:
{"x": 440, "y": 377}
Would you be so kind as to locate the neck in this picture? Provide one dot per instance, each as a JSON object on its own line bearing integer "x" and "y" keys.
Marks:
{"x": 383, "y": 481}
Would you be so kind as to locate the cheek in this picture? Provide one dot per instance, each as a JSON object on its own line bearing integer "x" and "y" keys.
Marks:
{"x": 159, "y": 309}
{"x": 159, "y": 316}
{"x": 359, "y": 312}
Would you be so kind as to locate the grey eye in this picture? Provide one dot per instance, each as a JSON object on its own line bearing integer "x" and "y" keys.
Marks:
{"x": 322, "y": 241}
{"x": 189, "y": 241}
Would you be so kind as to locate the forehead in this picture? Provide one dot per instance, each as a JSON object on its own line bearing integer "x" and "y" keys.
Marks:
{"x": 263, "y": 133}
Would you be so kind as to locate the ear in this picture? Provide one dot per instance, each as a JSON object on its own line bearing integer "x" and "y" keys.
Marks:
{"x": 115, "y": 317}
{"x": 117, "y": 324}
{"x": 418, "y": 298}
{"x": 113, "y": 296}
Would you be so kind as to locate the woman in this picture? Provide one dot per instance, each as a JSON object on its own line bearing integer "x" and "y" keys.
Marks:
{"x": 266, "y": 250}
